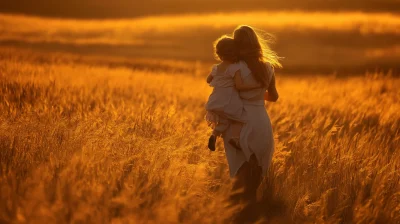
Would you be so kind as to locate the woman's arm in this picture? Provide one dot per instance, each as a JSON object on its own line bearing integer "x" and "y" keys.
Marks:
{"x": 272, "y": 94}
{"x": 241, "y": 86}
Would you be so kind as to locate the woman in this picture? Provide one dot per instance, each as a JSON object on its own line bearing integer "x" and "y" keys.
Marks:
{"x": 256, "y": 139}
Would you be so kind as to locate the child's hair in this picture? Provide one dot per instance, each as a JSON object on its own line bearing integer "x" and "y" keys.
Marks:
{"x": 225, "y": 49}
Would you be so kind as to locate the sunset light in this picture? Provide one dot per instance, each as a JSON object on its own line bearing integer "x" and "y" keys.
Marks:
{"x": 170, "y": 111}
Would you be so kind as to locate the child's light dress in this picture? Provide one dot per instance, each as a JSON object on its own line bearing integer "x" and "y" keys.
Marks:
{"x": 224, "y": 103}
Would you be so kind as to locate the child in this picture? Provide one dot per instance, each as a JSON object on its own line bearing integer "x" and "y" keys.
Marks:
{"x": 224, "y": 106}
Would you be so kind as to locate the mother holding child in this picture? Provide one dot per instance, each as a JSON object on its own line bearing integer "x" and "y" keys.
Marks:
{"x": 235, "y": 109}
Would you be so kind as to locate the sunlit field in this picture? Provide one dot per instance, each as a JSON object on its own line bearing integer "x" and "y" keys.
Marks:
{"x": 86, "y": 139}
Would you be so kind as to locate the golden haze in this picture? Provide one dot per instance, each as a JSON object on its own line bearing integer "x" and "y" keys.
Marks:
{"x": 134, "y": 31}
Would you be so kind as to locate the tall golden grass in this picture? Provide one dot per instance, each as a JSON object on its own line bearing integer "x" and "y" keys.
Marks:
{"x": 82, "y": 142}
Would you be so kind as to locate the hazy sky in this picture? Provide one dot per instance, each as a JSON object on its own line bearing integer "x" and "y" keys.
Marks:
{"x": 134, "y": 8}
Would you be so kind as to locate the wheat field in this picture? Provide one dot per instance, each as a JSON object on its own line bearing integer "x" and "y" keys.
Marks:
{"x": 83, "y": 141}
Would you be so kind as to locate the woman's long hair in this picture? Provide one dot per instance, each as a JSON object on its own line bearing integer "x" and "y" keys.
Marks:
{"x": 254, "y": 50}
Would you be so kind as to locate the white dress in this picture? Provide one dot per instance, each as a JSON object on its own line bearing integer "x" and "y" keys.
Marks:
{"x": 256, "y": 136}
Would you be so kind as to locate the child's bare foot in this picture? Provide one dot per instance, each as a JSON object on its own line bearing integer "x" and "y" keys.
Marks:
{"x": 235, "y": 143}
{"x": 211, "y": 142}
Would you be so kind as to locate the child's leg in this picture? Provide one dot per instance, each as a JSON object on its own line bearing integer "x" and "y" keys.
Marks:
{"x": 218, "y": 130}
{"x": 213, "y": 139}
{"x": 211, "y": 142}
{"x": 221, "y": 127}
{"x": 236, "y": 129}
{"x": 215, "y": 132}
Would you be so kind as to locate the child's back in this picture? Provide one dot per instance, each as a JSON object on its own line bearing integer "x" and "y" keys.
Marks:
{"x": 223, "y": 75}
{"x": 225, "y": 98}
